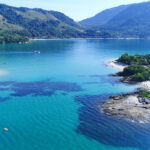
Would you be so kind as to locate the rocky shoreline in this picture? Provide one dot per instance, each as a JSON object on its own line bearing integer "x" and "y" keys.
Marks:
{"x": 130, "y": 106}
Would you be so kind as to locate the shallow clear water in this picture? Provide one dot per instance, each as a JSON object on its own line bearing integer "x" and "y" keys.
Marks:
{"x": 50, "y": 101}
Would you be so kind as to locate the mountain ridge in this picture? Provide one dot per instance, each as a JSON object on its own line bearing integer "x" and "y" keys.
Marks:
{"x": 102, "y": 17}
{"x": 18, "y": 24}
{"x": 133, "y": 21}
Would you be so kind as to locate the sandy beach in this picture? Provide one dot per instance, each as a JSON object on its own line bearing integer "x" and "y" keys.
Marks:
{"x": 145, "y": 85}
{"x": 113, "y": 63}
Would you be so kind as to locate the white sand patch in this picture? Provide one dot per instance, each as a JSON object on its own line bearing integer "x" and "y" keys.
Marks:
{"x": 132, "y": 99}
{"x": 115, "y": 64}
{"x": 145, "y": 84}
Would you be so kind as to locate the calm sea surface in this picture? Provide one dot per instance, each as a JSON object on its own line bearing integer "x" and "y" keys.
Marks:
{"x": 50, "y": 101}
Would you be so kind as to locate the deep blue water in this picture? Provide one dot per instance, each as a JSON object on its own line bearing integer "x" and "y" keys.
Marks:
{"x": 51, "y": 100}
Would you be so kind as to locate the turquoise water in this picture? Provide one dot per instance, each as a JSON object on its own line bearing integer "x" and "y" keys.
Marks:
{"x": 50, "y": 101}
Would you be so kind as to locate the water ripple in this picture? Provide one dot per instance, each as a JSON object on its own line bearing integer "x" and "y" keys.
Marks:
{"x": 107, "y": 129}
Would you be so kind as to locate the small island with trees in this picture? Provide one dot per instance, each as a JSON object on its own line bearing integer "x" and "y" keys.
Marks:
{"x": 134, "y": 106}
{"x": 138, "y": 68}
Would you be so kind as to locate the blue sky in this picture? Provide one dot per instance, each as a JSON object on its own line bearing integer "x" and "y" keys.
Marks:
{"x": 77, "y": 9}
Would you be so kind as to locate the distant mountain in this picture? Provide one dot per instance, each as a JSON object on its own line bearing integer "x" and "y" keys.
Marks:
{"x": 103, "y": 17}
{"x": 130, "y": 21}
{"x": 37, "y": 22}
{"x": 134, "y": 20}
{"x": 20, "y": 24}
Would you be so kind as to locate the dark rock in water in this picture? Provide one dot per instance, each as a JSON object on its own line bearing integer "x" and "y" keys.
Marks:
{"x": 140, "y": 99}
{"x": 147, "y": 101}
{"x": 144, "y": 100}
{"x": 128, "y": 80}
{"x": 115, "y": 97}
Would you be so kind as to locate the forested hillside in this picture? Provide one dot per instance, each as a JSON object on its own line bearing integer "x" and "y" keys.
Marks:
{"x": 102, "y": 17}
{"x": 37, "y": 23}
{"x": 20, "y": 24}
{"x": 126, "y": 21}
{"x": 133, "y": 21}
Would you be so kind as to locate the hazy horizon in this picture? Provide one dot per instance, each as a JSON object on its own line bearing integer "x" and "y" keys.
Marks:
{"x": 74, "y": 8}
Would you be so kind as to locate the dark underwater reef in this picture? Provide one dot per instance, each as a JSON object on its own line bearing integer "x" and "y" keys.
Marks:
{"x": 46, "y": 88}
{"x": 108, "y": 130}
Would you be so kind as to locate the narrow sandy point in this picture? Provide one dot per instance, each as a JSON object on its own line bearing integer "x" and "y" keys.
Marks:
{"x": 113, "y": 63}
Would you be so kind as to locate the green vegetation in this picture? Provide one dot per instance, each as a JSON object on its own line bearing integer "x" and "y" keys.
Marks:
{"x": 142, "y": 76}
{"x": 38, "y": 23}
{"x": 119, "y": 22}
{"x": 134, "y": 69}
{"x": 138, "y": 67}
{"x": 22, "y": 23}
{"x": 11, "y": 37}
{"x": 130, "y": 21}
{"x": 136, "y": 59}
{"x": 103, "y": 17}
{"x": 144, "y": 94}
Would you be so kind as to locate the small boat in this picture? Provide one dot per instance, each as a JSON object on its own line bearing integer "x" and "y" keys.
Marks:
{"x": 37, "y": 52}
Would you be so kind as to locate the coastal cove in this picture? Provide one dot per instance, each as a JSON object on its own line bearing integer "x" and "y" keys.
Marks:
{"x": 51, "y": 100}
{"x": 134, "y": 69}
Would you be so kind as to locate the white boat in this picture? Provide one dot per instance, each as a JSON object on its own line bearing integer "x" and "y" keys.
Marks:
{"x": 38, "y": 52}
